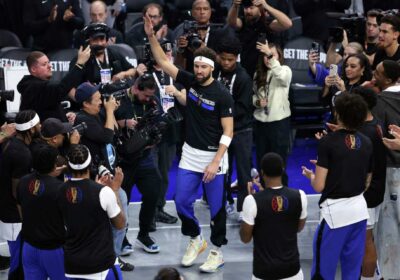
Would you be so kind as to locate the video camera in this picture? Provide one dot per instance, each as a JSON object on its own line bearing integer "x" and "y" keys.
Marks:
{"x": 7, "y": 95}
{"x": 147, "y": 132}
{"x": 117, "y": 89}
{"x": 354, "y": 26}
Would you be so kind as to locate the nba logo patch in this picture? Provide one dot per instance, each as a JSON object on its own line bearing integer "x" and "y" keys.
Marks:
{"x": 36, "y": 187}
{"x": 279, "y": 203}
{"x": 353, "y": 142}
{"x": 74, "y": 195}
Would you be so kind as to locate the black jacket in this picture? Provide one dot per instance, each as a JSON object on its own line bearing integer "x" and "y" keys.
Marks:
{"x": 45, "y": 96}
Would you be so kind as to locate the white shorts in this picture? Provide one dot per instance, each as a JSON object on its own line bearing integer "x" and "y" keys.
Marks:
{"x": 9, "y": 231}
{"x": 298, "y": 276}
{"x": 373, "y": 216}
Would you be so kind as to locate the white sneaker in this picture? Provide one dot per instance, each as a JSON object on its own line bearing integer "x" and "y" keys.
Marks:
{"x": 214, "y": 262}
{"x": 230, "y": 208}
{"x": 195, "y": 248}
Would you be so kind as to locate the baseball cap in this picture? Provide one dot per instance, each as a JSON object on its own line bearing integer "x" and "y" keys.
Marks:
{"x": 95, "y": 30}
{"x": 85, "y": 91}
{"x": 52, "y": 127}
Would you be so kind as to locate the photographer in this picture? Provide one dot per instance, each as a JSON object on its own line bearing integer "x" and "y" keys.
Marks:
{"x": 196, "y": 34}
{"x": 141, "y": 170}
{"x": 44, "y": 96}
{"x": 99, "y": 135}
{"x": 259, "y": 18}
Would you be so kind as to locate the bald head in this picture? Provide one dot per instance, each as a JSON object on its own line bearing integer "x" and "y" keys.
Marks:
{"x": 98, "y": 12}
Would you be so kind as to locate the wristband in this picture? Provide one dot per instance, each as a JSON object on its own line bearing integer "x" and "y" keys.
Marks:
{"x": 80, "y": 66}
{"x": 225, "y": 140}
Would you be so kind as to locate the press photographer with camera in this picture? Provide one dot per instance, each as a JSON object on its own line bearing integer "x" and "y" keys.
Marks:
{"x": 259, "y": 18}
{"x": 209, "y": 131}
{"x": 44, "y": 96}
{"x": 140, "y": 167}
{"x": 197, "y": 33}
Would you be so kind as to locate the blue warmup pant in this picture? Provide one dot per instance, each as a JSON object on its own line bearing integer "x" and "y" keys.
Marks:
{"x": 346, "y": 244}
{"x": 43, "y": 264}
{"x": 110, "y": 275}
{"x": 187, "y": 186}
{"x": 15, "y": 252}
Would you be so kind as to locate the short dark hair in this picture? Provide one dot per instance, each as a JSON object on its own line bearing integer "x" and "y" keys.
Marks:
{"x": 374, "y": 13}
{"x": 368, "y": 95}
{"x": 351, "y": 110}
{"x": 168, "y": 273}
{"x": 230, "y": 44}
{"x": 391, "y": 70}
{"x": 206, "y": 52}
{"x": 44, "y": 158}
{"x": 393, "y": 20}
{"x": 33, "y": 58}
{"x": 272, "y": 165}
{"x": 145, "y": 8}
{"x": 146, "y": 81}
{"x": 78, "y": 154}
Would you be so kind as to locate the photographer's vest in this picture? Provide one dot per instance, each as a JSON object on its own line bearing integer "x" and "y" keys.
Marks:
{"x": 275, "y": 252}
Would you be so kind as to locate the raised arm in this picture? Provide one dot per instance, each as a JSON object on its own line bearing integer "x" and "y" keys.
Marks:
{"x": 157, "y": 51}
{"x": 233, "y": 19}
{"x": 281, "y": 22}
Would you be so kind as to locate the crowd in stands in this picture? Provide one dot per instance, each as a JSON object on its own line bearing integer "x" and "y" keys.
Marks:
{"x": 205, "y": 87}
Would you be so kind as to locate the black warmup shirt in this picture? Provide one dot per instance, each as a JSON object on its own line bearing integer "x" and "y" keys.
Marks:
{"x": 381, "y": 55}
{"x": 376, "y": 191}
{"x": 43, "y": 225}
{"x": 242, "y": 92}
{"x": 348, "y": 157}
{"x": 16, "y": 161}
{"x": 275, "y": 252}
{"x": 91, "y": 70}
{"x": 89, "y": 243}
{"x": 205, "y": 106}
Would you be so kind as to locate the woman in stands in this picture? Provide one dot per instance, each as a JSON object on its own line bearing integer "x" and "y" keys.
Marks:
{"x": 271, "y": 99}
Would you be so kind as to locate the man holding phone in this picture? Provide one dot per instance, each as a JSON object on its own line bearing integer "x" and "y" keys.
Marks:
{"x": 259, "y": 18}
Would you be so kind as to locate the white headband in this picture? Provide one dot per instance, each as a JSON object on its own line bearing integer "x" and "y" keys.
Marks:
{"x": 82, "y": 165}
{"x": 27, "y": 125}
{"x": 205, "y": 60}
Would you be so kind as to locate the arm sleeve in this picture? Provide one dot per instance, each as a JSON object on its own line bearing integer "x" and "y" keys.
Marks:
{"x": 226, "y": 105}
{"x": 95, "y": 132}
{"x": 243, "y": 104}
{"x": 249, "y": 210}
{"x": 323, "y": 153}
{"x": 185, "y": 78}
{"x": 281, "y": 73}
{"x": 108, "y": 202}
{"x": 303, "y": 197}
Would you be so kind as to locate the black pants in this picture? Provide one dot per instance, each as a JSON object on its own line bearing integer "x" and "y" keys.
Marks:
{"x": 165, "y": 157}
{"x": 272, "y": 137}
{"x": 148, "y": 182}
{"x": 240, "y": 150}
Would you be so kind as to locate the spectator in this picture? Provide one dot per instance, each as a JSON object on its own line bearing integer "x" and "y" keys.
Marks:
{"x": 52, "y": 23}
{"x": 89, "y": 209}
{"x": 343, "y": 172}
{"x": 16, "y": 162}
{"x": 168, "y": 273}
{"x": 271, "y": 99}
{"x": 374, "y": 195}
{"x": 43, "y": 226}
{"x": 371, "y": 35}
{"x": 259, "y": 17}
{"x": 386, "y": 75}
{"x": 388, "y": 44}
{"x": 273, "y": 217}
{"x": 7, "y": 131}
{"x": 314, "y": 16}
{"x": 235, "y": 78}
{"x": 44, "y": 96}
{"x": 98, "y": 14}
{"x": 137, "y": 37}
{"x": 114, "y": 8}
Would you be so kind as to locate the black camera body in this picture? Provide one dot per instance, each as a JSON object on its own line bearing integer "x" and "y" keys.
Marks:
{"x": 7, "y": 95}
{"x": 117, "y": 89}
{"x": 190, "y": 31}
{"x": 80, "y": 128}
{"x": 354, "y": 26}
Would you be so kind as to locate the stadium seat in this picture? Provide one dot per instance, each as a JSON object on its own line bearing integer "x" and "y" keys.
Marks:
{"x": 9, "y": 39}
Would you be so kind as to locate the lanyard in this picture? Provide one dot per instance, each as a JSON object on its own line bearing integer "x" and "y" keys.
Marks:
{"x": 158, "y": 82}
{"x": 107, "y": 61}
{"x": 207, "y": 35}
{"x": 231, "y": 84}
{"x": 132, "y": 98}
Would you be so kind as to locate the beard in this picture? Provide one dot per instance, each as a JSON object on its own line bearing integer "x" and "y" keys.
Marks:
{"x": 97, "y": 49}
{"x": 202, "y": 80}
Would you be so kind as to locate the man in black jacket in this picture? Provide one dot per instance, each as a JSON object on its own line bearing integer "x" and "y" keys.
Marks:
{"x": 44, "y": 96}
{"x": 240, "y": 85}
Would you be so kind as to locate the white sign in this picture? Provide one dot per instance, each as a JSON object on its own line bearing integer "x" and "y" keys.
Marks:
{"x": 12, "y": 76}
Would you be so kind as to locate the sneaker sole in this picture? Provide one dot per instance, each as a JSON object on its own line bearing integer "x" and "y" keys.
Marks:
{"x": 145, "y": 248}
{"x": 202, "y": 249}
{"x": 213, "y": 270}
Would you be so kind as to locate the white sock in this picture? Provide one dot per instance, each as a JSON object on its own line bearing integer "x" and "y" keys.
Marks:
{"x": 216, "y": 248}
{"x": 197, "y": 238}
{"x": 367, "y": 278}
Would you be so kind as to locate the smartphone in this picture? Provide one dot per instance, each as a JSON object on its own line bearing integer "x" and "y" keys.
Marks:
{"x": 315, "y": 47}
{"x": 333, "y": 70}
{"x": 262, "y": 38}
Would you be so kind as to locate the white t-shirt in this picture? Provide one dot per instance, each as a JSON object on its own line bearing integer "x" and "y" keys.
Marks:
{"x": 250, "y": 207}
